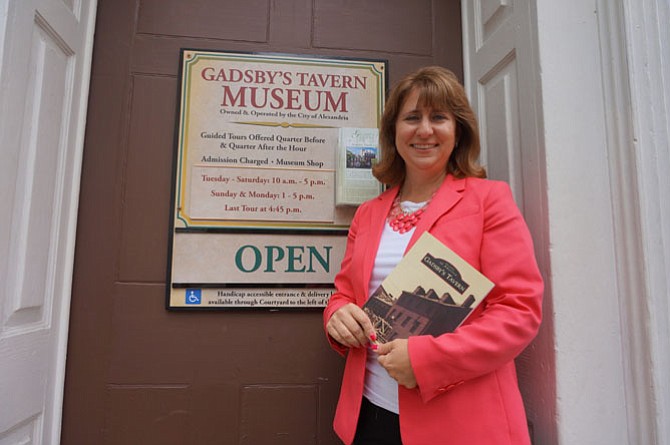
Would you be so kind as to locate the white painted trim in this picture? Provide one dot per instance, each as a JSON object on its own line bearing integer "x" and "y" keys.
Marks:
{"x": 589, "y": 366}
{"x": 4, "y": 15}
{"x": 648, "y": 49}
{"x": 466, "y": 29}
{"x": 628, "y": 242}
{"x": 71, "y": 204}
{"x": 514, "y": 39}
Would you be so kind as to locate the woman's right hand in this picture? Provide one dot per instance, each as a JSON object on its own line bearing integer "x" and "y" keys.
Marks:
{"x": 350, "y": 326}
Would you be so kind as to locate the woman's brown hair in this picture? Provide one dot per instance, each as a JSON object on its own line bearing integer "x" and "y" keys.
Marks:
{"x": 439, "y": 89}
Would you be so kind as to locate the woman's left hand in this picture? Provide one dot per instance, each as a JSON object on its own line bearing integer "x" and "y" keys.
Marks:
{"x": 394, "y": 357}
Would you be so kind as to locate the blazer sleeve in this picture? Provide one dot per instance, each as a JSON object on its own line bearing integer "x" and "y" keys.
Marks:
{"x": 344, "y": 287}
{"x": 511, "y": 312}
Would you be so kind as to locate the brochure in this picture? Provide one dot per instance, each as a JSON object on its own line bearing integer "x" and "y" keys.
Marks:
{"x": 357, "y": 152}
{"x": 430, "y": 292}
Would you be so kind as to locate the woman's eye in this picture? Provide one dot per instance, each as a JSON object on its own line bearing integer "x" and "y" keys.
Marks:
{"x": 440, "y": 117}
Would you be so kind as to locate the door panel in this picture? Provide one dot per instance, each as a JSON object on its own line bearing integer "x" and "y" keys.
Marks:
{"x": 503, "y": 85}
{"x": 140, "y": 374}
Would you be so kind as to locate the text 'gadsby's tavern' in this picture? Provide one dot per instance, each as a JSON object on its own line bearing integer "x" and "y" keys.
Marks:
{"x": 285, "y": 90}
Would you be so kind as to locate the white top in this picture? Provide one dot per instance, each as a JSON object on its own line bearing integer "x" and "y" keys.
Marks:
{"x": 380, "y": 388}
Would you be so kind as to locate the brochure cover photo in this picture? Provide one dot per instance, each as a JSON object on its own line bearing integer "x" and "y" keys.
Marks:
{"x": 430, "y": 292}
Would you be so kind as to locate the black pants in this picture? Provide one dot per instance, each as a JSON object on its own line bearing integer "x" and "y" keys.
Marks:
{"x": 377, "y": 426}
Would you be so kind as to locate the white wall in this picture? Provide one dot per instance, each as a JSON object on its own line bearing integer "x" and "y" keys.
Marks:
{"x": 604, "y": 78}
{"x": 648, "y": 55}
{"x": 589, "y": 375}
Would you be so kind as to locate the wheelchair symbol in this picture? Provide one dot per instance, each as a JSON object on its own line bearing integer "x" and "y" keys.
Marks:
{"x": 193, "y": 296}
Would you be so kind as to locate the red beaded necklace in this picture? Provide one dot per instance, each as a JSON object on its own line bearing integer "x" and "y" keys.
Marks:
{"x": 403, "y": 221}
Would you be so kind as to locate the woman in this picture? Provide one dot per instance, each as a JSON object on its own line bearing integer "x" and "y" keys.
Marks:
{"x": 458, "y": 388}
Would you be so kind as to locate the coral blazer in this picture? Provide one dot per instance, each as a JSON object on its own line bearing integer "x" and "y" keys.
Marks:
{"x": 467, "y": 391}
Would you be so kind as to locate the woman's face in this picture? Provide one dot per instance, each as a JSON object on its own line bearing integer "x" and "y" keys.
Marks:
{"x": 424, "y": 137}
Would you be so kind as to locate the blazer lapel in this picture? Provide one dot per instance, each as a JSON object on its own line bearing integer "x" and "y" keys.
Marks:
{"x": 447, "y": 196}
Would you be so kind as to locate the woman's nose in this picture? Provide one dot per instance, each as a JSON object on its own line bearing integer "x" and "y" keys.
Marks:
{"x": 425, "y": 127}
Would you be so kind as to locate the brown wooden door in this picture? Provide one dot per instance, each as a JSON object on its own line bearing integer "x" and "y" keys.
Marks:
{"x": 136, "y": 373}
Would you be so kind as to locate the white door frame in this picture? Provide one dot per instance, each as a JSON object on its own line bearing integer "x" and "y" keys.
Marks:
{"x": 647, "y": 51}
{"x": 45, "y": 60}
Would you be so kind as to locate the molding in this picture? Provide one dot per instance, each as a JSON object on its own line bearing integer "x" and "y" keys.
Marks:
{"x": 514, "y": 37}
{"x": 648, "y": 48}
{"x": 628, "y": 243}
{"x": 70, "y": 204}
